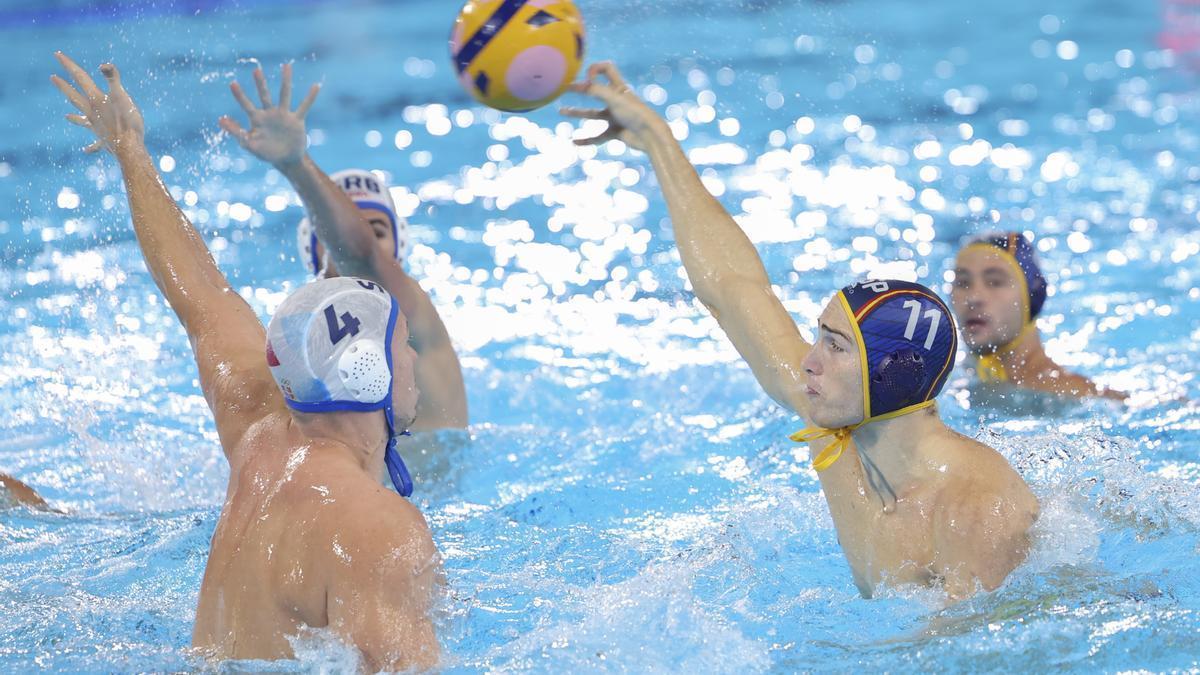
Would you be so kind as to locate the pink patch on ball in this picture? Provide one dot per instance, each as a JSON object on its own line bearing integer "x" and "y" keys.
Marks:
{"x": 541, "y": 3}
{"x": 536, "y": 73}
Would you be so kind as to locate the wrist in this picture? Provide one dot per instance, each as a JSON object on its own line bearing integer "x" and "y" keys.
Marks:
{"x": 291, "y": 166}
{"x": 659, "y": 138}
{"x": 129, "y": 149}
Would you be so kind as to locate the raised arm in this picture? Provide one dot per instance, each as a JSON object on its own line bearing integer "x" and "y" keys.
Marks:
{"x": 226, "y": 336}
{"x": 277, "y": 136}
{"x": 720, "y": 260}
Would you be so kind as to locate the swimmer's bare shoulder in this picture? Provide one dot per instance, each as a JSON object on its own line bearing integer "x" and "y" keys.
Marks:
{"x": 380, "y": 564}
{"x": 981, "y": 518}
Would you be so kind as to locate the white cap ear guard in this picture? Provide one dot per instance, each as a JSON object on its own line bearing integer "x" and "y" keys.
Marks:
{"x": 364, "y": 371}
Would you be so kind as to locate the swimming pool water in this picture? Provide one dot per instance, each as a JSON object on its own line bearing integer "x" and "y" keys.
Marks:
{"x": 626, "y": 499}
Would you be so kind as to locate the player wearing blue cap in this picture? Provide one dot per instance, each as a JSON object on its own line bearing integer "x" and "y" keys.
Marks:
{"x": 15, "y": 493}
{"x": 912, "y": 500}
{"x": 307, "y": 413}
{"x": 353, "y": 213}
{"x": 998, "y": 293}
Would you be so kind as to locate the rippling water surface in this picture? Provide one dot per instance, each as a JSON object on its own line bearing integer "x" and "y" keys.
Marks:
{"x": 626, "y": 498}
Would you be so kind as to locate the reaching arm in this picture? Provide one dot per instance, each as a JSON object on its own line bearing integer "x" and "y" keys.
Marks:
{"x": 720, "y": 260}
{"x": 277, "y": 135}
{"x": 226, "y": 336}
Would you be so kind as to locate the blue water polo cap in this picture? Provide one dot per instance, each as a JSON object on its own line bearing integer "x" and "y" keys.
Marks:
{"x": 907, "y": 343}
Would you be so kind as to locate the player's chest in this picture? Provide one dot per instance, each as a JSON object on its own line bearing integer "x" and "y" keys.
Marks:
{"x": 897, "y": 547}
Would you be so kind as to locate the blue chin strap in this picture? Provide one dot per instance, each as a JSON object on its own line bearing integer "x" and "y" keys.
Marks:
{"x": 395, "y": 466}
{"x": 401, "y": 479}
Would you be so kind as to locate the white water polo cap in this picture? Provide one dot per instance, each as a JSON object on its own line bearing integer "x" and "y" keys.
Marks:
{"x": 329, "y": 350}
{"x": 367, "y": 191}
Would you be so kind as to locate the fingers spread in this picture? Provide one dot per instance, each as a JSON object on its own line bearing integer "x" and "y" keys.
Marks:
{"x": 242, "y": 98}
{"x": 85, "y": 83}
{"x": 307, "y": 103}
{"x": 94, "y": 147}
{"x": 285, "y": 87}
{"x": 73, "y": 96}
{"x": 234, "y": 129}
{"x": 79, "y": 120}
{"x": 260, "y": 81}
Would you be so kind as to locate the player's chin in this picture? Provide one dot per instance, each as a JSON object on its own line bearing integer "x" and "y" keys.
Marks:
{"x": 832, "y": 416}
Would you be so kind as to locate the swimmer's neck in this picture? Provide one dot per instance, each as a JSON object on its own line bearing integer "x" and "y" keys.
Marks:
{"x": 898, "y": 447}
{"x": 362, "y": 436}
{"x": 1025, "y": 358}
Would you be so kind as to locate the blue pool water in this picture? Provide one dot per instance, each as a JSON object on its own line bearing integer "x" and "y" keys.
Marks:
{"x": 626, "y": 499}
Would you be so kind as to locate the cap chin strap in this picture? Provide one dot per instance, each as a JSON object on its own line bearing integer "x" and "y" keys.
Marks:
{"x": 990, "y": 367}
{"x": 841, "y": 436}
{"x": 391, "y": 457}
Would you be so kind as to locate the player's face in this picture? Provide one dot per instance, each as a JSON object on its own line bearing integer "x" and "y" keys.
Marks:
{"x": 834, "y": 369}
{"x": 404, "y": 385}
{"x": 987, "y": 300}
{"x": 381, "y": 227}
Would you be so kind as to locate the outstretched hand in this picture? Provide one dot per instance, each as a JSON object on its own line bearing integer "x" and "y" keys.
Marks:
{"x": 276, "y": 132}
{"x": 629, "y": 119}
{"x": 113, "y": 117}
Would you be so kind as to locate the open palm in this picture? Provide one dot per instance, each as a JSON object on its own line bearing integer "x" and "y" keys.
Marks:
{"x": 277, "y": 134}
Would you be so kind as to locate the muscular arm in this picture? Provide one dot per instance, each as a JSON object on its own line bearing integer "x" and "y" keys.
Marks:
{"x": 277, "y": 135}
{"x": 728, "y": 276}
{"x": 720, "y": 260}
{"x": 226, "y": 336}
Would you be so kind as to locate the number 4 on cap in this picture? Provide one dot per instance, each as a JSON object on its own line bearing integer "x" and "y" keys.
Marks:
{"x": 337, "y": 331}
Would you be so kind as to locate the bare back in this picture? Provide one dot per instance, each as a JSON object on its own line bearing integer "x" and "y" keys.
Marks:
{"x": 305, "y": 539}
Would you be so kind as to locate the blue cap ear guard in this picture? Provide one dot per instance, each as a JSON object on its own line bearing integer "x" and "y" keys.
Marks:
{"x": 907, "y": 343}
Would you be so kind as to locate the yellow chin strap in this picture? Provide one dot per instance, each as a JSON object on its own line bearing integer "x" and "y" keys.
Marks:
{"x": 829, "y": 455}
{"x": 990, "y": 368}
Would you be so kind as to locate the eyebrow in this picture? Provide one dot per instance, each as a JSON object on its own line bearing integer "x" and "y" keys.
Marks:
{"x": 826, "y": 328}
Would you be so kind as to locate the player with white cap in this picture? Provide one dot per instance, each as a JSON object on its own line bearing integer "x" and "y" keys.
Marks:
{"x": 307, "y": 412}
{"x": 353, "y": 228}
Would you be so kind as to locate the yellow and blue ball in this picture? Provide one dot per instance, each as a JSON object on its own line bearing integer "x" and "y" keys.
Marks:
{"x": 517, "y": 55}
